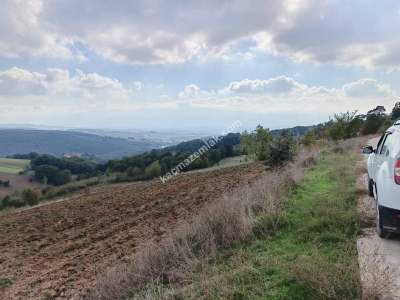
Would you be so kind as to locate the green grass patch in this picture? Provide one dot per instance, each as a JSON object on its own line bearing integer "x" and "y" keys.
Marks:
{"x": 13, "y": 166}
{"x": 312, "y": 255}
{"x": 4, "y": 282}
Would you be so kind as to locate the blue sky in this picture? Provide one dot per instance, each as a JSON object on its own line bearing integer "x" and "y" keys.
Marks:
{"x": 195, "y": 64}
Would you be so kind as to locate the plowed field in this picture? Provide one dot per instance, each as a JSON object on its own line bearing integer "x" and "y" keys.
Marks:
{"x": 58, "y": 248}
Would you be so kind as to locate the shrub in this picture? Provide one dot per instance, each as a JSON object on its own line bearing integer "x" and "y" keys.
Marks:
{"x": 344, "y": 126}
{"x": 153, "y": 170}
{"x": 282, "y": 149}
{"x": 309, "y": 139}
{"x": 134, "y": 171}
{"x": 30, "y": 197}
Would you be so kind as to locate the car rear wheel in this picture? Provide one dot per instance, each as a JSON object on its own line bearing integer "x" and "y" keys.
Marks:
{"x": 379, "y": 230}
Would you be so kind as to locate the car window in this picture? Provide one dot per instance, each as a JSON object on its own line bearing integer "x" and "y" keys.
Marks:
{"x": 380, "y": 141}
{"x": 385, "y": 145}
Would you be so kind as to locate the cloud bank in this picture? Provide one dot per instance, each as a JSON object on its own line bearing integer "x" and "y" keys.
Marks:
{"x": 360, "y": 32}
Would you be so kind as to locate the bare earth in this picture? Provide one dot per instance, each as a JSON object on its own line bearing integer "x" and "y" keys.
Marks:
{"x": 379, "y": 259}
{"x": 57, "y": 249}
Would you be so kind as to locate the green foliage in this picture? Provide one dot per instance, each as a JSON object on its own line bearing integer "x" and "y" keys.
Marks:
{"x": 62, "y": 177}
{"x": 30, "y": 197}
{"x": 4, "y": 282}
{"x": 52, "y": 175}
{"x": 344, "y": 126}
{"x": 309, "y": 139}
{"x": 137, "y": 167}
{"x": 373, "y": 123}
{"x": 275, "y": 150}
{"x": 396, "y": 111}
{"x": 257, "y": 144}
{"x": 282, "y": 148}
{"x": 134, "y": 172}
{"x": 26, "y": 197}
{"x": 153, "y": 170}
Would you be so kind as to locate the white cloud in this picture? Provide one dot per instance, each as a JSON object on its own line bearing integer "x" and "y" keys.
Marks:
{"x": 193, "y": 91}
{"x": 24, "y": 33}
{"x": 58, "y": 94}
{"x": 283, "y": 94}
{"x": 170, "y": 32}
{"x": 277, "y": 85}
{"x": 16, "y": 81}
{"x": 367, "y": 87}
{"x": 21, "y": 82}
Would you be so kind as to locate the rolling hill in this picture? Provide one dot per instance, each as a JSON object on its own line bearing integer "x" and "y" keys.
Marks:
{"x": 55, "y": 142}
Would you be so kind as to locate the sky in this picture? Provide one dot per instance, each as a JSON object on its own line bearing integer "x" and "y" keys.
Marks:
{"x": 182, "y": 64}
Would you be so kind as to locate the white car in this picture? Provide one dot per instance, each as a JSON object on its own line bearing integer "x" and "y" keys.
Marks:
{"x": 384, "y": 180}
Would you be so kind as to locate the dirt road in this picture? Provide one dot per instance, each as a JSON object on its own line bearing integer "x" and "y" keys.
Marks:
{"x": 56, "y": 250}
{"x": 379, "y": 259}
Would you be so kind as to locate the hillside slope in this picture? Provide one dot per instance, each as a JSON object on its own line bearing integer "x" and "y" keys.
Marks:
{"x": 69, "y": 242}
{"x": 57, "y": 143}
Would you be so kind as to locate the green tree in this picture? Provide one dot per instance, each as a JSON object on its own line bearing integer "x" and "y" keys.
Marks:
{"x": 283, "y": 148}
{"x": 345, "y": 125}
{"x": 153, "y": 170}
{"x": 396, "y": 111}
{"x": 258, "y": 143}
{"x": 373, "y": 123}
{"x": 62, "y": 177}
{"x": 46, "y": 171}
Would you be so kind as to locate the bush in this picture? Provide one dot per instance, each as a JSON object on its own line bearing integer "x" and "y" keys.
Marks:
{"x": 12, "y": 201}
{"x": 309, "y": 139}
{"x": 153, "y": 170}
{"x": 282, "y": 149}
{"x": 30, "y": 197}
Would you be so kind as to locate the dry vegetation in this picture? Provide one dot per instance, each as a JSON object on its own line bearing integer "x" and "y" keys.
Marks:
{"x": 157, "y": 268}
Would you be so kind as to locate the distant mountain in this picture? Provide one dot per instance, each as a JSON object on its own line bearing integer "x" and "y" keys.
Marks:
{"x": 56, "y": 142}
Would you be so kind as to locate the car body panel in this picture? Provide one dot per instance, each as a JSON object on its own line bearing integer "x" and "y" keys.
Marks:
{"x": 380, "y": 166}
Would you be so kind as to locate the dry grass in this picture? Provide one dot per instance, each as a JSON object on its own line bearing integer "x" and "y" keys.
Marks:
{"x": 377, "y": 276}
{"x": 156, "y": 268}
{"x": 331, "y": 280}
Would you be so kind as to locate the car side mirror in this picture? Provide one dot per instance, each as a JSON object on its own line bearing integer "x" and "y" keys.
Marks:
{"x": 368, "y": 150}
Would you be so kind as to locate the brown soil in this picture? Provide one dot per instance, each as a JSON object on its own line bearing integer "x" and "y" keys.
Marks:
{"x": 56, "y": 250}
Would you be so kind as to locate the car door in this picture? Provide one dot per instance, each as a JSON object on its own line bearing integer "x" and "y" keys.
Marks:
{"x": 380, "y": 155}
{"x": 373, "y": 159}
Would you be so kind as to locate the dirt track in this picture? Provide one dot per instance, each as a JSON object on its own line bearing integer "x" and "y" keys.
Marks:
{"x": 58, "y": 249}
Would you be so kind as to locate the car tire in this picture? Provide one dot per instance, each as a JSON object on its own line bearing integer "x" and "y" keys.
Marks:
{"x": 370, "y": 187}
{"x": 382, "y": 233}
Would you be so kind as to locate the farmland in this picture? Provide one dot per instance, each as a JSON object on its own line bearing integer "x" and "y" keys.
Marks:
{"x": 12, "y": 166}
{"x": 69, "y": 242}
